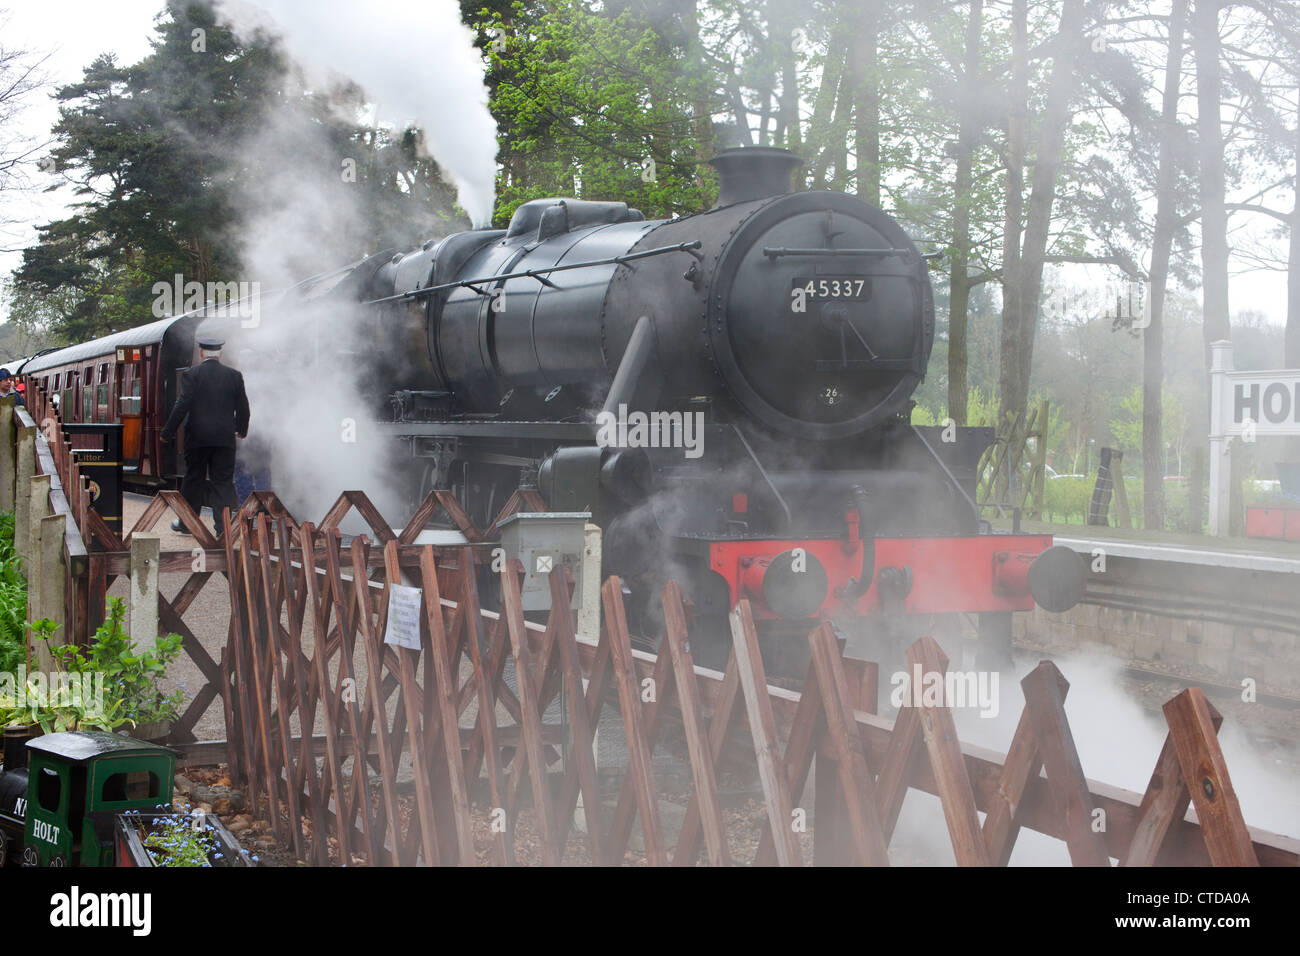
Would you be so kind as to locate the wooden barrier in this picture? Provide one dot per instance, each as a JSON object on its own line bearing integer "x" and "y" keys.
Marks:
{"x": 93, "y": 556}
{"x": 312, "y": 656}
{"x": 325, "y": 719}
{"x": 1000, "y": 482}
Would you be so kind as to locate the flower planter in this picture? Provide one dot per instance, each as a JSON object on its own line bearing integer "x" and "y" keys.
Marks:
{"x": 132, "y": 830}
{"x": 14, "y": 755}
{"x": 155, "y": 731}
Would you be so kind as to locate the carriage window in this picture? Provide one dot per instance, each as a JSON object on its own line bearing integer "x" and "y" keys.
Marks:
{"x": 130, "y": 404}
{"x": 103, "y": 372}
{"x": 139, "y": 785}
{"x": 49, "y": 790}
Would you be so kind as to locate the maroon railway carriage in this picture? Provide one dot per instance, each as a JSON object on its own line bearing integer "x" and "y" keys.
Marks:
{"x": 131, "y": 378}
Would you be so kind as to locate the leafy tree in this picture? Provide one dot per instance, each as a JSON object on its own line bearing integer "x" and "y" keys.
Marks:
{"x": 595, "y": 105}
{"x": 138, "y": 144}
{"x": 176, "y": 157}
{"x": 1127, "y": 425}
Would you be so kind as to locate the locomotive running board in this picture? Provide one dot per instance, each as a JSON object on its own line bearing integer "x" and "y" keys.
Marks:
{"x": 553, "y": 431}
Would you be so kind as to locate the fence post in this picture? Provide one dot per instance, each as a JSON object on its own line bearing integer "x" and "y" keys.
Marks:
{"x": 37, "y": 492}
{"x": 1122, "y": 517}
{"x": 145, "y": 551}
{"x": 589, "y": 586}
{"x": 7, "y": 453}
{"x": 588, "y": 625}
{"x": 26, "y": 456}
{"x": 45, "y": 600}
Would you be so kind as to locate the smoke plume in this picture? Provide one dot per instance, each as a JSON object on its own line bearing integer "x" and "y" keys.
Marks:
{"x": 415, "y": 60}
{"x": 312, "y": 362}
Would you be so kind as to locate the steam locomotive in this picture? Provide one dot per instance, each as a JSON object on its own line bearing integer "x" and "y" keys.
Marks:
{"x": 727, "y": 393}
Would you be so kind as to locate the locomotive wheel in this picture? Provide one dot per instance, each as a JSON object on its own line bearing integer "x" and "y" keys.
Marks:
{"x": 31, "y": 857}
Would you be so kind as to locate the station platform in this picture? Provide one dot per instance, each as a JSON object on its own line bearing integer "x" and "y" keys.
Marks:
{"x": 1245, "y": 554}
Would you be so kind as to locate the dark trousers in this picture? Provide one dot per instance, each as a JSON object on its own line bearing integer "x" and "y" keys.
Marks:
{"x": 210, "y": 479}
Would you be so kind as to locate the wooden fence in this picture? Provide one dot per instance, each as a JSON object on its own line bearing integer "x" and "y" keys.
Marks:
{"x": 46, "y": 500}
{"x": 1003, "y": 482}
{"x": 435, "y": 756}
{"x": 305, "y": 651}
{"x": 73, "y": 558}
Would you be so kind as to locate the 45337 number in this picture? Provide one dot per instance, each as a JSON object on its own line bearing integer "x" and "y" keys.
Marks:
{"x": 834, "y": 287}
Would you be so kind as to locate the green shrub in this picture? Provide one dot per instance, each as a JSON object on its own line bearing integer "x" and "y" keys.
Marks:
{"x": 67, "y": 706}
{"x": 13, "y": 600}
{"x": 1067, "y": 499}
{"x": 132, "y": 674}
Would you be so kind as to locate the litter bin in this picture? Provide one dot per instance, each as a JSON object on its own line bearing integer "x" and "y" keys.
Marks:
{"x": 97, "y": 448}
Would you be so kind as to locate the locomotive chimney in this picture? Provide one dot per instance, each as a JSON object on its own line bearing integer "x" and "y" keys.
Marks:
{"x": 15, "y": 747}
{"x": 753, "y": 172}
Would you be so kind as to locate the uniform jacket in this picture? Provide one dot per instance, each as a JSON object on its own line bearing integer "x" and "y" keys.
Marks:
{"x": 212, "y": 395}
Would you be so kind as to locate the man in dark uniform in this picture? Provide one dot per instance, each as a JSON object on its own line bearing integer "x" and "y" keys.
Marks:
{"x": 212, "y": 396}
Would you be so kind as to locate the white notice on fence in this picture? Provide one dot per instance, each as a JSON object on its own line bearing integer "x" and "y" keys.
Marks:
{"x": 403, "y": 617}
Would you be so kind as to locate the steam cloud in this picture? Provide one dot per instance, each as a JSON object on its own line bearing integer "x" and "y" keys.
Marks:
{"x": 311, "y": 373}
{"x": 416, "y": 61}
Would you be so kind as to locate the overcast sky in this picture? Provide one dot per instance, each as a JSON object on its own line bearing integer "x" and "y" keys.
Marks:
{"x": 74, "y": 32}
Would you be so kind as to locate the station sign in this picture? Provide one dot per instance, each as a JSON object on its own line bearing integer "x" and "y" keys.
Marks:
{"x": 1263, "y": 403}
{"x": 1244, "y": 406}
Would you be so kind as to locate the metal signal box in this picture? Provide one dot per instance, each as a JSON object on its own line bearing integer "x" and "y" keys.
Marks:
{"x": 544, "y": 542}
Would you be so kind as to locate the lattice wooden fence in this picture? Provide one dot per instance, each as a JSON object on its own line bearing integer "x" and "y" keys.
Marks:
{"x": 1005, "y": 483}
{"x": 481, "y": 757}
{"x": 433, "y": 715}
{"x": 93, "y": 556}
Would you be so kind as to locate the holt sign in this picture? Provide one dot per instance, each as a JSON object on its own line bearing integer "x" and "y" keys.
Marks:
{"x": 1246, "y": 406}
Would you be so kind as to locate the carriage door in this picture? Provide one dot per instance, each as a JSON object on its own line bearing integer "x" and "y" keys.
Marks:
{"x": 87, "y": 381}
{"x": 129, "y": 405}
{"x": 103, "y": 413}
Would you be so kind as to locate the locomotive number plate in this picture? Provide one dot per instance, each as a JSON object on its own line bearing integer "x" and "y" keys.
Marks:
{"x": 834, "y": 287}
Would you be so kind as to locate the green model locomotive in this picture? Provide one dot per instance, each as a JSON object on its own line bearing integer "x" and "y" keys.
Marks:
{"x": 61, "y": 794}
